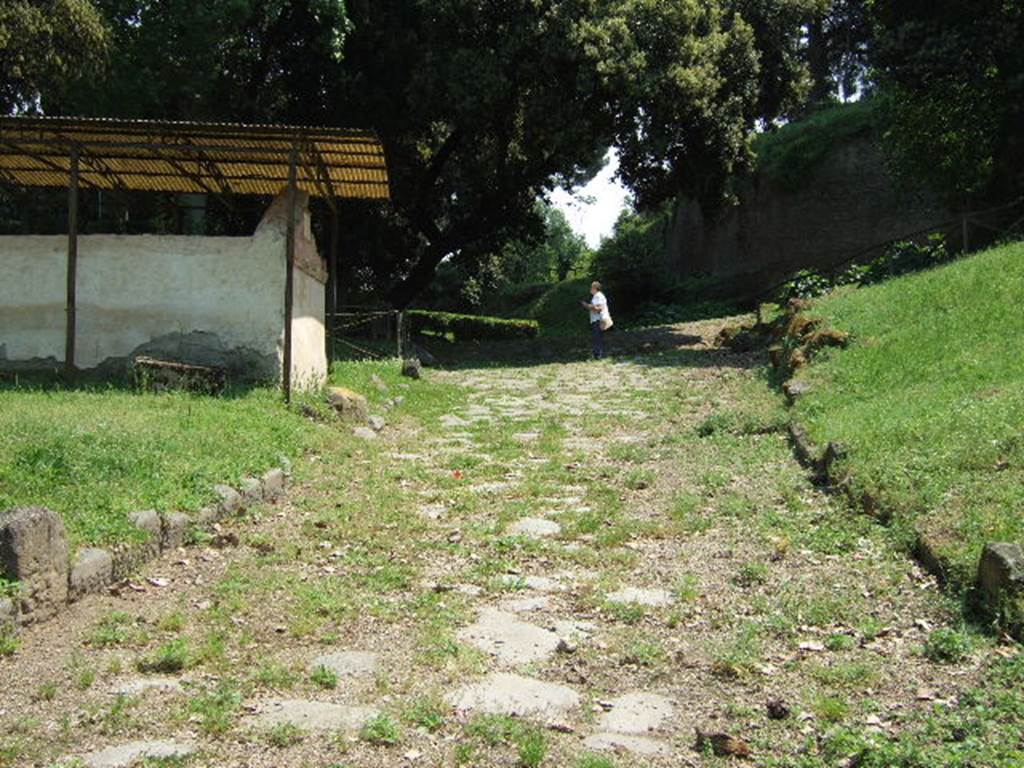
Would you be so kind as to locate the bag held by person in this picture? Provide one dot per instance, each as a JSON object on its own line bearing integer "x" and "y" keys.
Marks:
{"x": 606, "y": 322}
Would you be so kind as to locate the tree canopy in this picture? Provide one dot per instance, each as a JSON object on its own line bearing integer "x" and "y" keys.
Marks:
{"x": 43, "y": 43}
{"x": 485, "y": 107}
{"x": 952, "y": 74}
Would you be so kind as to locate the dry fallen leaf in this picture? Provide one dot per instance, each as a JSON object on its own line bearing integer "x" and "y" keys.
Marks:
{"x": 722, "y": 744}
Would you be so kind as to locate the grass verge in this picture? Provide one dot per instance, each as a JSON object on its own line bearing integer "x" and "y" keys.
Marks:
{"x": 928, "y": 400}
{"x": 96, "y": 454}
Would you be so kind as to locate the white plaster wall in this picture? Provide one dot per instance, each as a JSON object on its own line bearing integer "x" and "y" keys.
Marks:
{"x": 33, "y": 276}
{"x": 309, "y": 342}
{"x": 133, "y": 289}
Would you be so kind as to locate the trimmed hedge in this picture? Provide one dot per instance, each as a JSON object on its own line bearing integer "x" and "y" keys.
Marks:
{"x": 472, "y": 327}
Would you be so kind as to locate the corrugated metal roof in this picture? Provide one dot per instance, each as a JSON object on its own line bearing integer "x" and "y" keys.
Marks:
{"x": 165, "y": 156}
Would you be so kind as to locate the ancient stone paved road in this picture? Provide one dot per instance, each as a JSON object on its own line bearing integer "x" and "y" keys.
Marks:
{"x": 613, "y": 553}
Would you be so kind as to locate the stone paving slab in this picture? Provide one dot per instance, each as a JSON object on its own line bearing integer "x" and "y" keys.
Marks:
{"x": 314, "y": 715}
{"x": 636, "y": 713}
{"x": 534, "y": 528}
{"x": 506, "y": 694}
{"x": 433, "y": 511}
{"x": 640, "y": 745}
{"x": 143, "y": 684}
{"x": 131, "y": 753}
{"x": 650, "y": 597}
{"x": 508, "y": 639}
{"x": 527, "y": 604}
{"x": 537, "y": 583}
{"x": 348, "y": 663}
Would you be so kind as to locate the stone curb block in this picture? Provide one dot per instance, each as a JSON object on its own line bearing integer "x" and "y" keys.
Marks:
{"x": 128, "y": 557}
{"x": 34, "y": 550}
{"x": 92, "y": 570}
{"x": 8, "y": 615}
{"x": 230, "y": 500}
{"x": 274, "y": 484}
{"x": 806, "y": 451}
{"x": 252, "y": 491}
{"x": 174, "y": 530}
{"x": 1000, "y": 571}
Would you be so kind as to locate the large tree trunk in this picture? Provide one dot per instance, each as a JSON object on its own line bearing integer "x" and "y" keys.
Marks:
{"x": 817, "y": 61}
{"x": 418, "y": 279}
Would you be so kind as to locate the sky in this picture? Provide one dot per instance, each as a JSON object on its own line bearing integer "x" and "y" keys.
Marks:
{"x": 593, "y": 209}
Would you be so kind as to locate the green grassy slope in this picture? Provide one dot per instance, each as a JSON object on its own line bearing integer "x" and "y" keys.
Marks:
{"x": 929, "y": 401}
{"x": 558, "y": 310}
{"x": 789, "y": 154}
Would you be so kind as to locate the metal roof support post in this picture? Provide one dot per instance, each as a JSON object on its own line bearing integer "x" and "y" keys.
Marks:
{"x": 332, "y": 284}
{"x": 289, "y": 278}
{"x": 72, "y": 266}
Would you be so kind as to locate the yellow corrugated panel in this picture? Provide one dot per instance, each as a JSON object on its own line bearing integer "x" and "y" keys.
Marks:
{"x": 192, "y": 157}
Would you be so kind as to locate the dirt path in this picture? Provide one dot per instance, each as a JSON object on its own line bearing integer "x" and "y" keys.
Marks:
{"x": 571, "y": 564}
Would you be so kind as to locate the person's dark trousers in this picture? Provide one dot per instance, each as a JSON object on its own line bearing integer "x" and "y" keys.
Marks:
{"x": 597, "y": 339}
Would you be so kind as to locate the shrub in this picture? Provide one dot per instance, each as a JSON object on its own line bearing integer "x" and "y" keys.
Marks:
{"x": 899, "y": 258}
{"x": 472, "y": 327}
{"x": 381, "y": 731}
{"x": 172, "y": 656}
{"x": 633, "y": 259}
{"x": 947, "y": 646}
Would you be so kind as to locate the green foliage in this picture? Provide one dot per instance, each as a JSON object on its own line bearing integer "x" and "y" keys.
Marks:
{"x": 928, "y": 402}
{"x": 532, "y": 748}
{"x": 632, "y": 263}
{"x": 172, "y": 656}
{"x": 252, "y": 60}
{"x": 652, "y": 313}
{"x": 284, "y": 735}
{"x": 947, "y": 646}
{"x": 513, "y": 274}
{"x": 952, "y": 78}
{"x": 472, "y": 327}
{"x": 686, "y": 79}
{"x": 788, "y": 155}
{"x": 9, "y": 642}
{"x": 216, "y": 708}
{"x": 44, "y": 42}
{"x": 381, "y": 730}
{"x": 428, "y": 713}
{"x": 112, "y": 630}
{"x": 981, "y": 729}
{"x": 899, "y": 258}
{"x": 324, "y": 677}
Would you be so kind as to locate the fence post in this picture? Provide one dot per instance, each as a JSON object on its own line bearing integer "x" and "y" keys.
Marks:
{"x": 398, "y": 331}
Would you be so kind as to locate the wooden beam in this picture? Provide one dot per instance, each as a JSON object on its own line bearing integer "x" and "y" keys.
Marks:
{"x": 289, "y": 257}
{"x": 72, "y": 267}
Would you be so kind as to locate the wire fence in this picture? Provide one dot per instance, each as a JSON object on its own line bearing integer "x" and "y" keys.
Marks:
{"x": 367, "y": 333}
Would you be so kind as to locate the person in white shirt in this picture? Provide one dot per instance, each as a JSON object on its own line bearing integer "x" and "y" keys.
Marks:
{"x": 600, "y": 318}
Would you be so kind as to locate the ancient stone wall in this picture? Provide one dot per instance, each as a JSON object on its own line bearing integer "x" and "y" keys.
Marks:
{"x": 848, "y": 203}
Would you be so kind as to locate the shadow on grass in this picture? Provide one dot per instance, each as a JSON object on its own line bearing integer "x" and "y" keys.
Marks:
{"x": 97, "y": 383}
{"x": 662, "y": 346}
